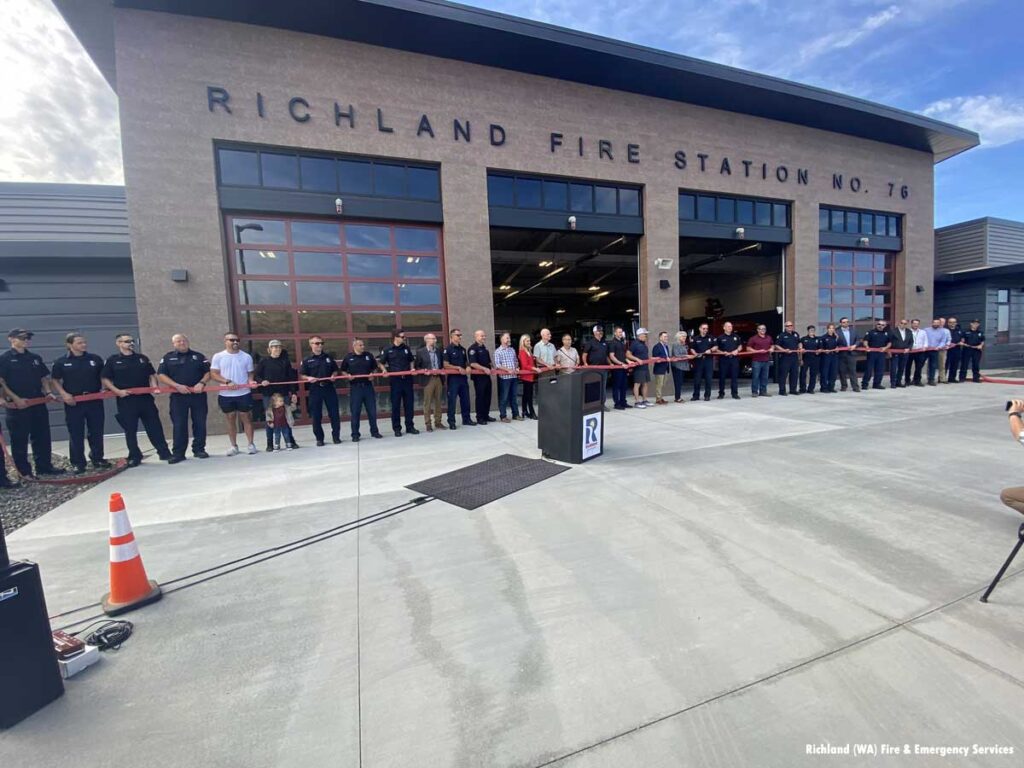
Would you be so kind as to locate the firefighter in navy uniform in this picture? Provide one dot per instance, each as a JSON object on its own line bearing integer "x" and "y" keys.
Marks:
{"x": 788, "y": 344}
{"x": 974, "y": 342}
{"x": 359, "y": 362}
{"x": 320, "y": 394}
{"x": 728, "y": 344}
{"x": 127, "y": 370}
{"x": 78, "y": 373}
{"x": 480, "y": 364}
{"x": 810, "y": 362}
{"x": 701, "y": 344}
{"x": 186, "y": 371}
{"x": 955, "y": 352}
{"x": 456, "y": 362}
{"x": 877, "y": 339}
{"x": 398, "y": 357}
{"x": 24, "y": 376}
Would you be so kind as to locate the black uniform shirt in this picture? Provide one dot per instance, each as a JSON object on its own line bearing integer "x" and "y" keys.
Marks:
{"x": 23, "y": 372}
{"x": 617, "y": 347}
{"x": 398, "y": 358}
{"x": 127, "y": 371}
{"x": 480, "y": 355}
{"x": 319, "y": 366}
{"x": 877, "y": 339}
{"x": 359, "y": 365}
{"x": 639, "y": 349}
{"x": 186, "y": 368}
{"x": 727, "y": 342}
{"x": 79, "y": 374}
{"x": 701, "y": 344}
{"x": 455, "y": 354}
{"x": 811, "y": 343}
{"x": 596, "y": 351}
{"x": 956, "y": 335}
{"x": 788, "y": 340}
{"x": 829, "y": 341}
{"x": 971, "y": 339}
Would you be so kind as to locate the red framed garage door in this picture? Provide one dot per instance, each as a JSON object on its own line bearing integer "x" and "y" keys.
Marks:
{"x": 291, "y": 278}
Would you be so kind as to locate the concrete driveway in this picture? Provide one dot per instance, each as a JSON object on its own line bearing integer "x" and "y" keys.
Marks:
{"x": 731, "y": 584}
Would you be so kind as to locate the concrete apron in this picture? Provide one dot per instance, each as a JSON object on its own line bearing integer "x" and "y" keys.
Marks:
{"x": 731, "y": 582}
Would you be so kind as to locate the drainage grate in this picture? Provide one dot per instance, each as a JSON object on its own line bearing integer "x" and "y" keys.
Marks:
{"x": 487, "y": 481}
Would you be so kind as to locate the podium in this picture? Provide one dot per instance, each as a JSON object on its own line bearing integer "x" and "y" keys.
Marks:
{"x": 570, "y": 427}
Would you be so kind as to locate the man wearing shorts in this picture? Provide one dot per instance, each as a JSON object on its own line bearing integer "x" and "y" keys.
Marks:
{"x": 234, "y": 368}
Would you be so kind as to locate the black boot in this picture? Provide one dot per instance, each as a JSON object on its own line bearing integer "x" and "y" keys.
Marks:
{"x": 270, "y": 445}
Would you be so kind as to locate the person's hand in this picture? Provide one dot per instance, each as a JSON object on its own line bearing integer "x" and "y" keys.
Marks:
{"x": 1017, "y": 406}
{"x": 310, "y": 379}
{"x": 182, "y": 389}
{"x": 264, "y": 383}
{"x": 19, "y": 402}
{"x": 68, "y": 399}
{"x": 198, "y": 388}
{"x": 122, "y": 392}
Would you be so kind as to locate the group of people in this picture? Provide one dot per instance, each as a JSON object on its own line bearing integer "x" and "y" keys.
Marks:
{"x": 806, "y": 364}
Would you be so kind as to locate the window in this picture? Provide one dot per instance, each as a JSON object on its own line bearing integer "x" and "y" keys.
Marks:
{"x": 763, "y": 214}
{"x": 687, "y": 207}
{"x": 726, "y": 210}
{"x": 723, "y": 209}
{"x": 315, "y": 233}
{"x": 239, "y": 168}
{"x": 551, "y": 194}
{"x": 318, "y": 174}
{"x": 280, "y": 170}
{"x": 856, "y": 284}
{"x": 1002, "y": 316}
{"x": 327, "y": 174}
{"x": 852, "y": 222}
{"x": 705, "y": 208}
{"x": 744, "y": 211}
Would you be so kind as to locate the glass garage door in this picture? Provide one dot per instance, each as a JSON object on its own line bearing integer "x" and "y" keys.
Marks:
{"x": 292, "y": 278}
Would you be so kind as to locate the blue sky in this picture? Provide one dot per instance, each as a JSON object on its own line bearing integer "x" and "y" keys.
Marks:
{"x": 961, "y": 61}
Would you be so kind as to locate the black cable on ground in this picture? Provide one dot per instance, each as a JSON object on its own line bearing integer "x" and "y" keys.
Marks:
{"x": 270, "y": 552}
{"x": 109, "y": 636}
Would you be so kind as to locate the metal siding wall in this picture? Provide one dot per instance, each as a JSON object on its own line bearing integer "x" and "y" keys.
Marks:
{"x": 54, "y": 296}
{"x": 959, "y": 247}
{"x": 964, "y": 301}
{"x": 1005, "y": 242}
{"x": 57, "y": 212}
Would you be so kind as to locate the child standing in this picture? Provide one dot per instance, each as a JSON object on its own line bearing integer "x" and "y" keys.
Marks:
{"x": 281, "y": 418}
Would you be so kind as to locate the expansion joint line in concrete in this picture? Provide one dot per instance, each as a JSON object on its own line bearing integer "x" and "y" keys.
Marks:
{"x": 359, "y": 643}
{"x": 781, "y": 673}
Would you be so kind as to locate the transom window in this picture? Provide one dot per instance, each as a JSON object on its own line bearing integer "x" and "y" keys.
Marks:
{"x": 556, "y": 194}
{"x": 846, "y": 220}
{"x": 326, "y": 173}
{"x": 719, "y": 209}
{"x": 854, "y": 284}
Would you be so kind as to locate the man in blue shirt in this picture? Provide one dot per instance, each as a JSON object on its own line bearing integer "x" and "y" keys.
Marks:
{"x": 938, "y": 337}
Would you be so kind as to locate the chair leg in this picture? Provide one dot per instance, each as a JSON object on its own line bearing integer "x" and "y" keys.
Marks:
{"x": 1013, "y": 554}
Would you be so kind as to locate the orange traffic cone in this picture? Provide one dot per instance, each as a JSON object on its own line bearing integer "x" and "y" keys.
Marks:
{"x": 129, "y": 586}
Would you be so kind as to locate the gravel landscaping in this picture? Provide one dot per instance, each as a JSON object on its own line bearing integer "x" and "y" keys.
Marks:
{"x": 28, "y": 500}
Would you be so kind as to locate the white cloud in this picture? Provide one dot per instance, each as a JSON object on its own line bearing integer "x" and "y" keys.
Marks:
{"x": 846, "y": 38}
{"x": 58, "y": 116}
{"x": 998, "y": 120}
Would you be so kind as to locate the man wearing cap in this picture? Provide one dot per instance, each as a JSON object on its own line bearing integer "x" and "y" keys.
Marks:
{"x": 617, "y": 356}
{"x": 75, "y": 374}
{"x": 23, "y": 377}
{"x": 639, "y": 353}
{"x": 186, "y": 372}
{"x": 130, "y": 370}
{"x": 595, "y": 352}
{"x": 399, "y": 358}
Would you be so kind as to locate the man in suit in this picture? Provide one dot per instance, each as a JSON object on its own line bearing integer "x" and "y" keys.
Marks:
{"x": 661, "y": 369}
{"x": 902, "y": 339}
{"x": 428, "y": 358}
{"x": 847, "y": 362}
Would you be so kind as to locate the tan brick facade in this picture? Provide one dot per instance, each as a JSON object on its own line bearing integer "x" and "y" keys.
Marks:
{"x": 166, "y": 62}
